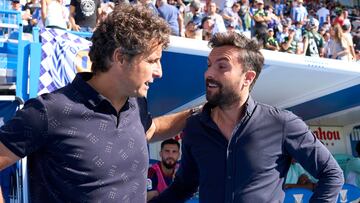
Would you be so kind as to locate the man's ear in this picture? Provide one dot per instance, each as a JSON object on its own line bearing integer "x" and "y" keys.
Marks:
{"x": 118, "y": 56}
{"x": 249, "y": 77}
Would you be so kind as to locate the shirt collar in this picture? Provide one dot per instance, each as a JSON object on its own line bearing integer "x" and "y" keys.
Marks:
{"x": 90, "y": 94}
{"x": 250, "y": 105}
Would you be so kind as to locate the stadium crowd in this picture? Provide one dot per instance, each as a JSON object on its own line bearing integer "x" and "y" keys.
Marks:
{"x": 313, "y": 28}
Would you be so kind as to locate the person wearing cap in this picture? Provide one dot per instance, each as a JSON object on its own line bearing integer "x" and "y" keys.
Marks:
{"x": 299, "y": 12}
{"x": 290, "y": 45}
{"x": 313, "y": 42}
{"x": 25, "y": 15}
{"x": 195, "y": 13}
{"x": 271, "y": 43}
{"x": 280, "y": 36}
{"x": 261, "y": 22}
{"x": 347, "y": 33}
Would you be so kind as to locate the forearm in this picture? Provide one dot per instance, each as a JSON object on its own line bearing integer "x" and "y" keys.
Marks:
{"x": 302, "y": 145}
{"x": 329, "y": 185}
{"x": 1, "y": 196}
{"x": 167, "y": 126}
{"x": 151, "y": 194}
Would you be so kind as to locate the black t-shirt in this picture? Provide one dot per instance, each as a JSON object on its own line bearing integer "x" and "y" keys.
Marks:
{"x": 85, "y": 12}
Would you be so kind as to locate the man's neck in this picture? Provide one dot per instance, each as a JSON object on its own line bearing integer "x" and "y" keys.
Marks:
{"x": 102, "y": 85}
{"x": 166, "y": 171}
{"x": 227, "y": 117}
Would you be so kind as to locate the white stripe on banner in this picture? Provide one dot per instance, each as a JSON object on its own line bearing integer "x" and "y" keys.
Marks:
{"x": 62, "y": 55}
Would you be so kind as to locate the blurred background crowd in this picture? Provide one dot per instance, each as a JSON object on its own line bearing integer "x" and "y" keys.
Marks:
{"x": 318, "y": 28}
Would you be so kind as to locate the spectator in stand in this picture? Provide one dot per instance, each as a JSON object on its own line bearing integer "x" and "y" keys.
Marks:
{"x": 339, "y": 46}
{"x": 298, "y": 31}
{"x": 280, "y": 36}
{"x": 227, "y": 4}
{"x": 274, "y": 20}
{"x": 217, "y": 18}
{"x": 210, "y": 27}
{"x": 231, "y": 17}
{"x": 195, "y": 13}
{"x": 25, "y": 15}
{"x": 290, "y": 45}
{"x": 261, "y": 22}
{"x": 84, "y": 15}
{"x": 299, "y": 13}
{"x": 171, "y": 15}
{"x": 323, "y": 14}
{"x": 352, "y": 170}
{"x": 252, "y": 10}
{"x": 53, "y": 14}
{"x": 346, "y": 28}
{"x": 279, "y": 8}
{"x": 297, "y": 177}
{"x": 356, "y": 40}
{"x": 313, "y": 41}
{"x": 244, "y": 14}
{"x": 150, "y": 5}
{"x": 327, "y": 42}
{"x": 339, "y": 19}
{"x": 271, "y": 43}
{"x": 193, "y": 31}
{"x": 33, "y": 7}
{"x": 193, "y": 20}
{"x": 162, "y": 173}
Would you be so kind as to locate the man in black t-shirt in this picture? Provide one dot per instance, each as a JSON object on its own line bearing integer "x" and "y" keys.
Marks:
{"x": 84, "y": 15}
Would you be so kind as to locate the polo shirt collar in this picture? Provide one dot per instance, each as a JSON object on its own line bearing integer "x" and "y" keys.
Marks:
{"x": 89, "y": 93}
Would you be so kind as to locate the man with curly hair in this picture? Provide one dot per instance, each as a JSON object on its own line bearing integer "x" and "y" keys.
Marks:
{"x": 86, "y": 142}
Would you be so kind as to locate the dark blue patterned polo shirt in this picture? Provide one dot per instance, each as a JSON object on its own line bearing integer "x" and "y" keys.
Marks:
{"x": 79, "y": 148}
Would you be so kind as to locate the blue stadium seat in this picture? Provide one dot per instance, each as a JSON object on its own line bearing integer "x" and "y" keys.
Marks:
{"x": 291, "y": 193}
{"x": 349, "y": 193}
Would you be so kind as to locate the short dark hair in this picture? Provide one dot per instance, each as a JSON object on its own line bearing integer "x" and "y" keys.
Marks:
{"x": 170, "y": 141}
{"x": 132, "y": 28}
{"x": 249, "y": 50}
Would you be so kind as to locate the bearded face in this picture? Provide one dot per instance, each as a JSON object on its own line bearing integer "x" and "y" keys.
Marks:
{"x": 169, "y": 163}
{"x": 169, "y": 155}
{"x": 221, "y": 94}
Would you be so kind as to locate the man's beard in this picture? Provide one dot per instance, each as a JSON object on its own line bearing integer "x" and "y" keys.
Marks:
{"x": 169, "y": 165}
{"x": 225, "y": 95}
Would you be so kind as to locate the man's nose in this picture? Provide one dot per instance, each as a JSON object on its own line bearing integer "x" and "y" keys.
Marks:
{"x": 157, "y": 72}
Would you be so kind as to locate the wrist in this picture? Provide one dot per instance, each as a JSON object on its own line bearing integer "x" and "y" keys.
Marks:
{"x": 195, "y": 110}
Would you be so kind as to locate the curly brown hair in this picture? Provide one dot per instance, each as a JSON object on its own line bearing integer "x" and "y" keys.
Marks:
{"x": 132, "y": 28}
{"x": 249, "y": 50}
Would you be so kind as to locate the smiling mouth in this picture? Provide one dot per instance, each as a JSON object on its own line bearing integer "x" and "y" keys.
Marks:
{"x": 212, "y": 84}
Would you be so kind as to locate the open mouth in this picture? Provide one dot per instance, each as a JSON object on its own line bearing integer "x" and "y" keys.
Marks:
{"x": 212, "y": 84}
